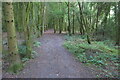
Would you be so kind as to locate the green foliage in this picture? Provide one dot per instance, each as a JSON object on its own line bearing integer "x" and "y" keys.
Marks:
{"x": 34, "y": 54}
{"x": 22, "y": 50}
{"x": 98, "y": 53}
{"x": 23, "y": 54}
{"x": 102, "y": 46}
{"x": 15, "y": 68}
{"x": 37, "y": 44}
{"x": 30, "y": 16}
{"x": 99, "y": 46}
{"x": 25, "y": 59}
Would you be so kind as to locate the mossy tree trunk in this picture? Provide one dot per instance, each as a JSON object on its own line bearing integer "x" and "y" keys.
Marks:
{"x": 27, "y": 29}
{"x": 38, "y": 26}
{"x": 12, "y": 41}
{"x": 43, "y": 10}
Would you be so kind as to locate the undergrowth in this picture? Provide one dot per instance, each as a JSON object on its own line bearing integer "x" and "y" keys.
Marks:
{"x": 101, "y": 54}
{"x": 15, "y": 68}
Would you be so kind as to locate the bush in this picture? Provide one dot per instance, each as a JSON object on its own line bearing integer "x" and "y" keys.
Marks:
{"x": 14, "y": 68}
{"x": 37, "y": 44}
{"x": 22, "y": 51}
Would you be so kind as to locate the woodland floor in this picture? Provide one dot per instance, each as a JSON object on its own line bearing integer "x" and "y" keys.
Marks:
{"x": 53, "y": 61}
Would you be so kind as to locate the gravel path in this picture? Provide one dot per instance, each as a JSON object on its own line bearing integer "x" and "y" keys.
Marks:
{"x": 53, "y": 61}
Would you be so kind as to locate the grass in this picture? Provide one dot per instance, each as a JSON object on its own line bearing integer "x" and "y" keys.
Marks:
{"x": 101, "y": 54}
{"x": 15, "y": 68}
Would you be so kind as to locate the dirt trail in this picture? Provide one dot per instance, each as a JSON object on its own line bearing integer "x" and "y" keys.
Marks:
{"x": 53, "y": 61}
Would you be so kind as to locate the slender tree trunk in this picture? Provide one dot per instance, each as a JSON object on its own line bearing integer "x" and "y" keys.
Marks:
{"x": 27, "y": 30}
{"x": 60, "y": 26}
{"x": 12, "y": 41}
{"x": 44, "y": 11}
{"x": 73, "y": 30}
{"x": 60, "y": 20}
{"x": 104, "y": 22}
{"x": 81, "y": 29}
{"x": 83, "y": 20}
{"x": 118, "y": 20}
{"x": 97, "y": 19}
{"x": 38, "y": 24}
{"x": 54, "y": 28}
{"x": 69, "y": 27}
{"x": 41, "y": 20}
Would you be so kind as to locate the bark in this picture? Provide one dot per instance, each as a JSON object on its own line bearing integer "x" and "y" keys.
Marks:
{"x": 118, "y": 26}
{"x": 41, "y": 20}
{"x": 27, "y": 30}
{"x": 105, "y": 18}
{"x": 44, "y": 11}
{"x": 69, "y": 26}
{"x": 84, "y": 23}
{"x": 81, "y": 29}
{"x": 60, "y": 20}
{"x": 12, "y": 41}
{"x": 60, "y": 26}
{"x": 34, "y": 19}
{"x": 38, "y": 24}
{"x": 54, "y": 25}
{"x": 97, "y": 18}
{"x": 73, "y": 30}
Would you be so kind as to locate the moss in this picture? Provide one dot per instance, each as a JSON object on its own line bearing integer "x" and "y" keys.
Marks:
{"x": 14, "y": 68}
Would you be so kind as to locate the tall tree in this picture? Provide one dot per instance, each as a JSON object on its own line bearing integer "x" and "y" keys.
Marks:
{"x": 107, "y": 11}
{"x": 97, "y": 15}
{"x": 12, "y": 41}
{"x": 69, "y": 26}
{"x": 84, "y": 23}
{"x": 73, "y": 30}
{"x": 27, "y": 28}
{"x": 118, "y": 25}
{"x": 44, "y": 12}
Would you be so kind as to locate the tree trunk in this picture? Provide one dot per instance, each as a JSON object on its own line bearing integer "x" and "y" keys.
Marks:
{"x": 105, "y": 18}
{"x": 118, "y": 25}
{"x": 44, "y": 11}
{"x": 97, "y": 18}
{"x": 73, "y": 30}
{"x": 38, "y": 26}
{"x": 69, "y": 29}
{"x": 83, "y": 20}
{"x": 81, "y": 29}
{"x": 27, "y": 30}
{"x": 12, "y": 41}
{"x": 60, "y": 30}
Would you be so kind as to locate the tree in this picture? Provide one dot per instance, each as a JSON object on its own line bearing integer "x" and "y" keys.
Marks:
{"x": 27, "y": 28}
{"x": 11, "y": 33}
{"x": 118, "y": 25}
{"x": 73, "y": 30}
{"x": 69, "y": 26}
{"x": 43, "y": 18}
{"x": 84, "y": 23}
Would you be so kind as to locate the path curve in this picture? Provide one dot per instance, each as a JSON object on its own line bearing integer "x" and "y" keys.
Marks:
{"x": 54, "y": 61}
